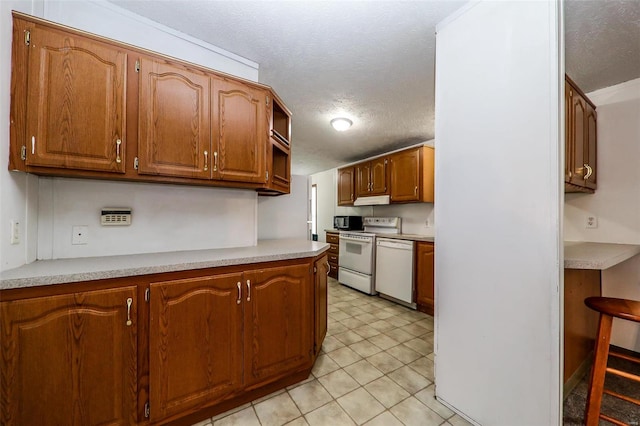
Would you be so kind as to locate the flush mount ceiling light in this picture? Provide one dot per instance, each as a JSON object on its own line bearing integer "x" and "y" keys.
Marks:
{"x": 341, "y": 124}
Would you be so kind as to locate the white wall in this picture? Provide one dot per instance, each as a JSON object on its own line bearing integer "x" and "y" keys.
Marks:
{"x": 616, "y": 202}
{"x": 285, "y": 216}
{"x": 165, "y": 218}
{"x": 498, "y": 279}
{"x": 37, "y": 206}
{"x": 417, "y": 218}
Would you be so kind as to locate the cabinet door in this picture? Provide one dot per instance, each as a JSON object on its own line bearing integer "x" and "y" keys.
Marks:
{"x": 590, "y": 146}
{"x": 195, "y": 342}
{"x": 405, "y": 175}
{"x": 174, "y": 123}
{"x": 345, "y": 186}
{"x": 568, "y": 132}
{"x": 363, "y": 182}
{"x": 425, "y": 277}
{"x": 378, "y": 176}
{"x": 240, "y": 126}
{"x": 321, "y": 273}
{"x": 70, "y": 359}
{"x": 76, "y": 103}
{"x": 578, "y": 114}
{"x": 278, "y": 322}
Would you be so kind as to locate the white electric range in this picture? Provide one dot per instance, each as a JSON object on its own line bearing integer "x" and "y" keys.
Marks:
{"x": 357, "y": 261}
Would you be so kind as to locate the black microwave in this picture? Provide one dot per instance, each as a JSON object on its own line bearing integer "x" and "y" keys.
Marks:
{"x": 347, "y": 223}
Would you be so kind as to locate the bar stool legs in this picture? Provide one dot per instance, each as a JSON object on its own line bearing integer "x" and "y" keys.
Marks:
{"x": 596, "y": 389}
{"x": 609, "y": 308}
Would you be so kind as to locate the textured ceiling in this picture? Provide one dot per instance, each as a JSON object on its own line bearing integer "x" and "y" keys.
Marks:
{"x": 373, "y": 61}
{"x": 602, "y": 42}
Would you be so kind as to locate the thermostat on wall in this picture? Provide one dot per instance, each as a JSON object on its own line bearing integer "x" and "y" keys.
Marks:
{"x": 115, "y": 216}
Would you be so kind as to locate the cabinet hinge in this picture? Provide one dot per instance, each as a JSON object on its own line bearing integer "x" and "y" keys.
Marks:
{"x": 137, "y": 66}
{"x": 147, "y": 295}
{"x": 135, "y": 163}
{"x": 147, "y": 410}
{"x": 23, "y": 153}
{"x": 27, "y": 37}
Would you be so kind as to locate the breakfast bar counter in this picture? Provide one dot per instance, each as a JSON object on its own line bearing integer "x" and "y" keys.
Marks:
{"x": 588, "y": 255}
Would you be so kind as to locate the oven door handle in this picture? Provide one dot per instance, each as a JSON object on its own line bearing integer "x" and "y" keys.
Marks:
{"x": 357, "y": 240}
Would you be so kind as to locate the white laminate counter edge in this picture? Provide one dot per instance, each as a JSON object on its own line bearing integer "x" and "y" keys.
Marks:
{"x": 48, "y": 272}
{"x": 586, "y": 255}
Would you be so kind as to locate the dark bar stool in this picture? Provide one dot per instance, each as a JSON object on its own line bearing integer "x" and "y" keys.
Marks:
{"x": 608, "y": 308}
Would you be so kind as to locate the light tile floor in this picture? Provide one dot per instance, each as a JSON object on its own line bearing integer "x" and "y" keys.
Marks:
{"x": 375, "y": 368}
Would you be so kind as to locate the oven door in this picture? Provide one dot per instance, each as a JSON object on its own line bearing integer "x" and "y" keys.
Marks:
{"x": 356, "y": 253}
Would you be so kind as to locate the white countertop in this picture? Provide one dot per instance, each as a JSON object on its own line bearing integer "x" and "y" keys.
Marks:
{"x": 587, "y": 255}
{"x": 47, "y": 272}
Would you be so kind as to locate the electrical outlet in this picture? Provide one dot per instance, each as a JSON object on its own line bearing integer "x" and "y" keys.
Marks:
{"x": 427, "y": 223}
{"x": 15, "y": 232}
{"x": 592, "y": 222}
{"x": 80, "y": 235}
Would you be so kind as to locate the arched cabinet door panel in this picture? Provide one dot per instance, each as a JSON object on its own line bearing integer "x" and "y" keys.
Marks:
{"x": 75, "y": 103}
{"x": 70, "y": 359}
{"x": 174, "y": 124}
{"x": 240, "y": 131}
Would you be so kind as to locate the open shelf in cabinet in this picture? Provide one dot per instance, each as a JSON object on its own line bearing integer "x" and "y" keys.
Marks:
{"x": 281, "y": 130}
{"x": 281, "y": 165}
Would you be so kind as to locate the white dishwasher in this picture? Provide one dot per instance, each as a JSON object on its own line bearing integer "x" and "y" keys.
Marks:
{"x": 394, "y": 270}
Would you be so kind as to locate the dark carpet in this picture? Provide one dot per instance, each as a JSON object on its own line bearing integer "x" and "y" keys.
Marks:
{"x": 626, "y": 412}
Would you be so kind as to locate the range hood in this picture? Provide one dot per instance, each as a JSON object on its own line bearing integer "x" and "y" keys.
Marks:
{"x": 372, "y": 201}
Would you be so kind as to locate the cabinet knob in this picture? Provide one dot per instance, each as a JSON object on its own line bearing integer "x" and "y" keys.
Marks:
{"x": 206, "y": 161}
{"x": 215, "y": 161}
{"x": 589, "y": 171}
{"x": 248, "y": 291}
{"x": 239, "y": 293}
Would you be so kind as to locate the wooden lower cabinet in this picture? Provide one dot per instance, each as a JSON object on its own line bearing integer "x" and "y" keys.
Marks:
{"x": 70, "y": 359}
{"x": 203, "y": 342}
{"x": 321, "y": 270}
{"x": 333, "y": 238}
{"x": 580, "y": 323}
{"x": 425, "y": 256}
{"x": 278, "y": 305}
{"x": 195, "y": 342}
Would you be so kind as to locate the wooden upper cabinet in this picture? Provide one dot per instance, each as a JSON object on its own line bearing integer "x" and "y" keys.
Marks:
{"x": 580, "y": 140}
{"x": 86, "y": 106}
{"x": 346, "y": 181}
{"x": 371, "y": 177}
{"x": 195, "y": 343}
{"x": 411, "y": 175}
{"x": 70, "y": 359}
{"x": 590, "y": 150}
{"x": 425, "y": 257}
{"x": 174, "y": 123}
{"x": 363, "y": 172}
{"x": 278, "y": 301}
{"x": 378, "y": 176}
{"x": 240, "y": 127}
{"x": 75, "y": 102}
